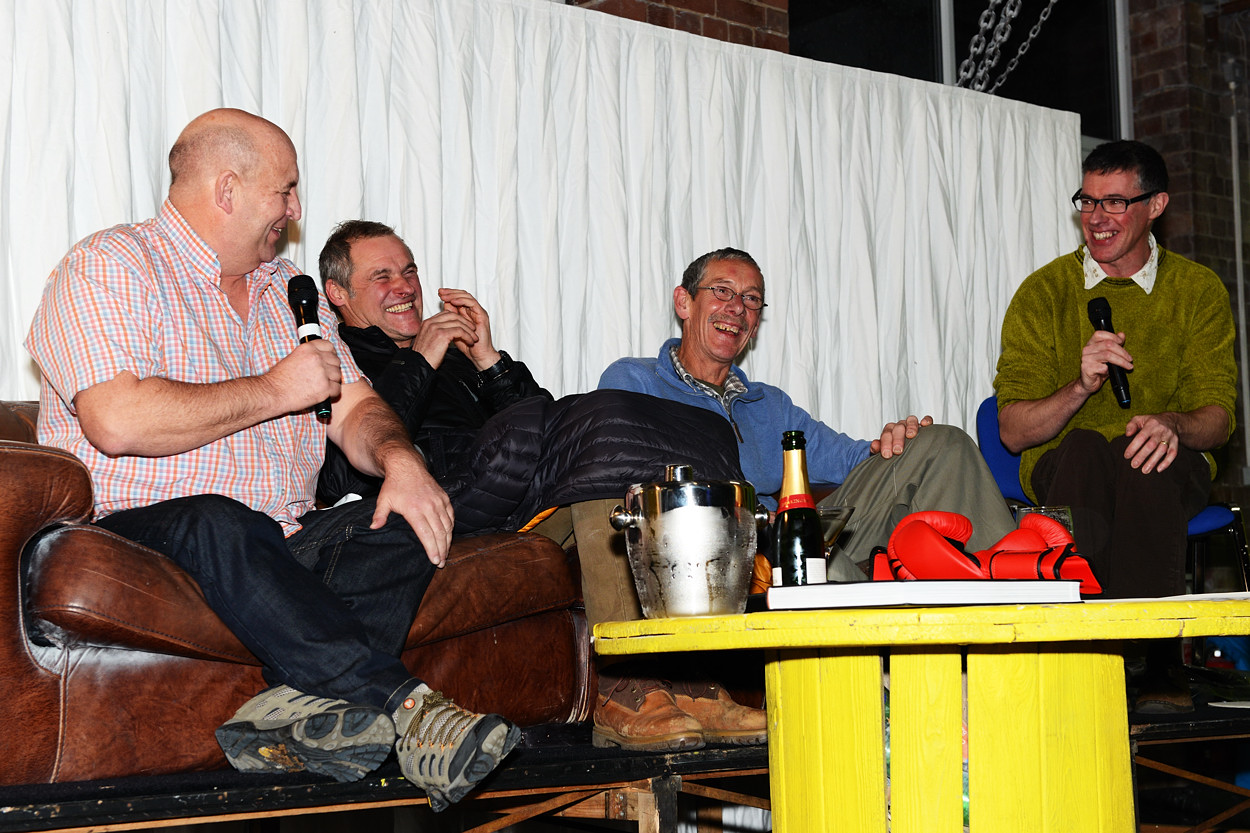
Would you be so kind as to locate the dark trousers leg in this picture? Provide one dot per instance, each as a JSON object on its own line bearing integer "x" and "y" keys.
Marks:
{"x": 326, "y": 611}
{"x": 1131, "y": 526}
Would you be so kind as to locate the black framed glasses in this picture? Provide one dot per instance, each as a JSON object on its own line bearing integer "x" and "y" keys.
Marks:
{"x": 1111, "y": 205}
{"x": 724, "y": 293}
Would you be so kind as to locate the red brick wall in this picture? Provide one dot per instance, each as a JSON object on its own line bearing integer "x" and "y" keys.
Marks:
{"x": 1181, "y": 106}
{"x": 763, "y": 23}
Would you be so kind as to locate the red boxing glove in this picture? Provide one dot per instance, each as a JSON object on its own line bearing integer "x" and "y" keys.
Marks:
{"x": 930, "y": 545}
{"x": 1041, "y": 549}
{"x": 1050, "y": 530}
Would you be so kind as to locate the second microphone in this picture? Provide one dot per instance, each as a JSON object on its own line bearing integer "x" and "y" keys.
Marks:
{"x": 302, "y": 293}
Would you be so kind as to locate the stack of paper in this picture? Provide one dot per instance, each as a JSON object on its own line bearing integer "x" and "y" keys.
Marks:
{"x": 925, "y": 593}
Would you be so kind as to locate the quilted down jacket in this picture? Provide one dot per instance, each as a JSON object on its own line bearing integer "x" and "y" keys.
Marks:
{"x": 538, "y": 454}
{"x": 504, "y": 450}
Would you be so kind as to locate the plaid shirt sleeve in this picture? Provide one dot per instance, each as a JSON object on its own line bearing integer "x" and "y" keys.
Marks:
{"x": 93, "y": 324}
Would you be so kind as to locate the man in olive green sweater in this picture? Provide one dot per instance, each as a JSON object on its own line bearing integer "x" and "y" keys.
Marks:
{"x": 1133, "y": 476}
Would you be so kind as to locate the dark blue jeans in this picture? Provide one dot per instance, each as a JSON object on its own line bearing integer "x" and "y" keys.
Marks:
{"x": 326, "y": 611}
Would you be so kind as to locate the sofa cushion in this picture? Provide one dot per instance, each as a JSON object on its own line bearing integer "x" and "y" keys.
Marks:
{"x": 89, "y": 586}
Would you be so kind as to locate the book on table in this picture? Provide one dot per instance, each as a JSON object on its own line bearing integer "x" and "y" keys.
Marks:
{"x": 924, "y": 592}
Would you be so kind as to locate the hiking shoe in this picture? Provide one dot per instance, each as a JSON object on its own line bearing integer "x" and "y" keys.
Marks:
{"x": 444, "y": 749}
{"x": 284, "y": 730}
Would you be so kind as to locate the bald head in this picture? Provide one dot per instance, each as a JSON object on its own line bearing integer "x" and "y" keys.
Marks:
{"x": 219, "y": 140}
{"x": 233, "y": 179}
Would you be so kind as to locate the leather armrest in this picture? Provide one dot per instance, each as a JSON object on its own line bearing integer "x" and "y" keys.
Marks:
{"x": 491, "y": 579}
{"x": 92, "y": 587}
{"x": 41, "y": 487}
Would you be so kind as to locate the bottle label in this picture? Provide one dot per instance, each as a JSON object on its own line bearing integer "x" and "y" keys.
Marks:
{"x": 800, "y": 501}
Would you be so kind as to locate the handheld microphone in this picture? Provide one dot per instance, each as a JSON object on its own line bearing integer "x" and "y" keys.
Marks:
{"x": 302, "y": 293}
{"x": 1100, "y": 317}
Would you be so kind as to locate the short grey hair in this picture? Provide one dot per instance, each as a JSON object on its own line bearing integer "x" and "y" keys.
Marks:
{"x": 694, "y": 273}
{"x": 335, "y": 261}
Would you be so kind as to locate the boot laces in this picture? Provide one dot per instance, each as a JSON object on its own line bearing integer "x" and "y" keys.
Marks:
{"x": 438, "y": 722}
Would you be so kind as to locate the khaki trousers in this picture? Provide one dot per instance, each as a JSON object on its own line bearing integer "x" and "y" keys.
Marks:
{"x": 941, "y": 468}
{"x": 607, "y": 582}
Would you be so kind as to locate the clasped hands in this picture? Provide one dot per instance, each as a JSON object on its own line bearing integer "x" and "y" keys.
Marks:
{"x": 462, "y": 322}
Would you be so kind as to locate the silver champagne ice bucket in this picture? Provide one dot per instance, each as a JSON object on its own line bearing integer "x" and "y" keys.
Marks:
{"x": 691, "y": 544}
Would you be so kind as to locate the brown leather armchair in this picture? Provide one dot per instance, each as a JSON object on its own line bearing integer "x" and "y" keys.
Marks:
{"x": 115, "y": 665}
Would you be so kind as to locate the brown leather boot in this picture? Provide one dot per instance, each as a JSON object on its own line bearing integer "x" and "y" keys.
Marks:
{"x": 722, "y": 719}
{"x": 639, "y": 714}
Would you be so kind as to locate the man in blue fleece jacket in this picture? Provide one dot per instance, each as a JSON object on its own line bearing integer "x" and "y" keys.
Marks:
{"x": 913, "y": 466}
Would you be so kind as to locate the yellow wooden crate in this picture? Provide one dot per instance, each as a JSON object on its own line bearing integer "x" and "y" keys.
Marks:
{"x": 1047, "y": 716}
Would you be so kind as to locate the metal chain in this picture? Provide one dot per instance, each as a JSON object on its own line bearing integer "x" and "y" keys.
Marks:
{"x": 1024, "y": 47}
{"x": 985, "y": 49}
{"x": 967, "y": 69}
{"x": 994, "y": 51}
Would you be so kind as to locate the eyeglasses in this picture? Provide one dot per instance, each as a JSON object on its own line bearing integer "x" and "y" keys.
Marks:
{"x": 1111, "y": 205}
{"x": 724, "y": 293}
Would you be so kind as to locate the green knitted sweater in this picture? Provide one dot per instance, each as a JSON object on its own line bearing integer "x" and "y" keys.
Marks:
{"x": 1180, "y": 337}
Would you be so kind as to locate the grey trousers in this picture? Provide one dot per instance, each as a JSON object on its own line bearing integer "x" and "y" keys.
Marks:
{"x": 940, "y": 469}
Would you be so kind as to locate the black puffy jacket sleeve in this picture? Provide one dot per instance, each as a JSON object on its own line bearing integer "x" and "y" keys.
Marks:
{"x": 506, "y": 382}
{"x": 407, "y": 385}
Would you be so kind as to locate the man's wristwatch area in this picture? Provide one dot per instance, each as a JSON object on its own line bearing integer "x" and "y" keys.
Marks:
{"x": 496, "y": 370}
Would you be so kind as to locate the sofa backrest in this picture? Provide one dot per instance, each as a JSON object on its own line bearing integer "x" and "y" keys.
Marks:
{"x": 17, "y": 421}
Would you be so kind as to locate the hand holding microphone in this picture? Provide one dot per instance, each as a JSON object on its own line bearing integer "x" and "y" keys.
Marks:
{"x": 1100, "y": 316}
{"x": 302, "y": 293}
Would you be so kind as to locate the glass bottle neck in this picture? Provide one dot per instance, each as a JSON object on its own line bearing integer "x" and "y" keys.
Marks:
{"x": 795, "y": 490}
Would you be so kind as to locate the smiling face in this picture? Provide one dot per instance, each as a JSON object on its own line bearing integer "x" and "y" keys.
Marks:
{"x": 715, "y": 332}
{"x": 1119, "y": 242}
{"x": 385, "y": 291}
{"x": 233, "y": 177}
{"x": 267, "y": 202}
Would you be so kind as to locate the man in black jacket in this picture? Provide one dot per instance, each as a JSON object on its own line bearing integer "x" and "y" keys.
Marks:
{"x": 441, "y": 374}
{"x": 446, "y": 380}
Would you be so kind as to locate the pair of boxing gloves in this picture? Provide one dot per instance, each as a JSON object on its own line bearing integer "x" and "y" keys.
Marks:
{"x": 930, "y": 545}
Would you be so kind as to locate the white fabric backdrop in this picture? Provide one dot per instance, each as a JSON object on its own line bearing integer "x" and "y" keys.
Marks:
{"x": 563, "y": 165}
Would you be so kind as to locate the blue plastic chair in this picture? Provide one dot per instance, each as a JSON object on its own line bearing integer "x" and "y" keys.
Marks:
{"x": 1004, "y": 465}
{"x": 1215, "y": 519}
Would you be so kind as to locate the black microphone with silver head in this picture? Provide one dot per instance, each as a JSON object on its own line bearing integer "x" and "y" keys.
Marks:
{"x": 302, "y": 293}
{"x": 1100, "y": 316}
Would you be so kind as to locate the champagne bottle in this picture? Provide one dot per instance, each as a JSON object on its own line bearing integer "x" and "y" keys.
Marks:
{"x": 796, "y": 530}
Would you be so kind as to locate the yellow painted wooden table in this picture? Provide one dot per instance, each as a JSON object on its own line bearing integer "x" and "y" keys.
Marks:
{"x": 1048, "y": 747}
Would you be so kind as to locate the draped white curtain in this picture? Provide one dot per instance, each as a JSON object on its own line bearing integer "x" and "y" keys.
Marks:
{"x": 563, "y": 165}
